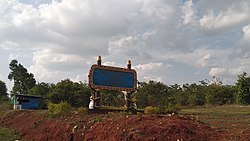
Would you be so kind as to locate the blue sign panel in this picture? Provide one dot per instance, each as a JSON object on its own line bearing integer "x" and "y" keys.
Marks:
{"x": 112, "y": 78}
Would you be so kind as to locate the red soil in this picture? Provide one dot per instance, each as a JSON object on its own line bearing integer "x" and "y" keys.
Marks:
{"x": 112, "y": 127}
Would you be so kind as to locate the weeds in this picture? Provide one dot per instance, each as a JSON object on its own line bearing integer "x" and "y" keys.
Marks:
{"x": 7, "y": 134}
{"x": 59, "y": 110}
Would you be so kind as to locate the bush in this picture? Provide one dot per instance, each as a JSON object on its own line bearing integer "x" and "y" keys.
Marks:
{"x": 82, "y": 111}
{"x": 152, "y": 110}
{"x": 7, "y": 134}
{"x": 5, "y": 107}
{"x": 162, "y": 110}
{"x": 172, "y": 109}
{"x": 61, "y": 109}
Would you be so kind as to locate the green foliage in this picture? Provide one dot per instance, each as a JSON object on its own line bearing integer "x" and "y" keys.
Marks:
{"x": 162, "y": 110}
{"x": 243, "y": 89}
{"x": 160, "y": 95}
{"x": 196, "y": 94}
{"x": 5, "y": 106}
{"x": 7, "y": 134}
{"x": 82, "y": 111}
{"x": 61, "y": 109}
{"x": 220, "y": 95}
{"x": 172, "y": 109}
{"x": 3, "y": 90}
{"x": 76, "y": 94}
{"x": 41, "y": 89}
{"x": 152, "y": 94}
{"x": 23, "y": 81}
{"x": 112, "y": 98}
{"x": 152, "y": 110}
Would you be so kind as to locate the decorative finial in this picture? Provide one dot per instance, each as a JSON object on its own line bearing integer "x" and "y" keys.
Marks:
{"x": 99, "y": 60}
{"x": 129, "y": 64}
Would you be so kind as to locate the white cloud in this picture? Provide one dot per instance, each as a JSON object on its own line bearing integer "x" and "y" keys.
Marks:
{"x": 122, "y": 42}
{"x": 200, "y": 57}
{"x": 81, "y": 78}
{"x": 147, "y": 79}
{"x": 61, "y": 39}
{"x": 148, "y": 67}
{"x": 204, "y": 61}
{"x": 246, "y": 32}
{"x": 228, "y": 75}
{"x": 222, "y": 20}
{"x": 218, "y": 71}
{"x": 1, "y": 77}
{"x": 159, "y": 8}
{"x": 8, "y": 45}
{"x": 151, "y": 71}
{"x": 188, "y": 12}
{"x": 47, "y": 64}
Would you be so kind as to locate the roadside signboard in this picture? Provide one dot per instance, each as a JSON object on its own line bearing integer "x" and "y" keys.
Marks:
{"x": 112, "y": 78}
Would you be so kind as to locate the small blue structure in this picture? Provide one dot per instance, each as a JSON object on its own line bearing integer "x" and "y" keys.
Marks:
{"x": 26, "y": 101}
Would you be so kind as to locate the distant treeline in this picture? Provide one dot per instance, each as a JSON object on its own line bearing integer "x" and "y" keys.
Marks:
{"x": 148, "y": 93}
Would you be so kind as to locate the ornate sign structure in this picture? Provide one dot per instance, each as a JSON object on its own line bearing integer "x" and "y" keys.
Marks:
{"x": 112, "y": 78}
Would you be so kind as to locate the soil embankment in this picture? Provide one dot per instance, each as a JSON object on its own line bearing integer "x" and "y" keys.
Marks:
{"x": 35, "y": 126}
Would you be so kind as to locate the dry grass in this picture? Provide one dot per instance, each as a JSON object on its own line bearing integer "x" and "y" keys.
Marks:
{"x": 232, "y": 119}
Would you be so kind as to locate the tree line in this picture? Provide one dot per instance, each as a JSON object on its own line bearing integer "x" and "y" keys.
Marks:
{"x": 150, "y": 93}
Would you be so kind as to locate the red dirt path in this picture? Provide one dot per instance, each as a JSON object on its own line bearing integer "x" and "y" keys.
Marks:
{"x": 33, "y": 126}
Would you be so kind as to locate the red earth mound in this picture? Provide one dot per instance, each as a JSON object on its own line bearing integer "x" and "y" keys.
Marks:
{"x": 112, "y": 127}
{"x": 154, "y": 127}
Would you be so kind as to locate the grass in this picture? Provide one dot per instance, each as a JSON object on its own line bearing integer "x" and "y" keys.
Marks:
{"x": 7, "y": 134}
{"x": 5, "y": 107}
{"x": 229, "y": 117}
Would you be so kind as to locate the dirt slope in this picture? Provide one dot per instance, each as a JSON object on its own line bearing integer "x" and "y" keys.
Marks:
{"x": 35, "y": 127}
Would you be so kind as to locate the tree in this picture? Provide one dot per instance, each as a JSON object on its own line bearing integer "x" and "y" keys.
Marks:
{"x": 191, "y": 95}
{"x": 152, "y": 94}
{"x": 41, "y": 89}
{"x": 243, "y": 89}
{"x": 76, "y": 94}
{"x": 23, "y": 81}
{"x": 3, "y": 90}
{"x": 219, "y": 94}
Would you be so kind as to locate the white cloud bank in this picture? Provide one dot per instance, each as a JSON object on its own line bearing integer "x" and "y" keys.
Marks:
{"x": 61, "y": 39}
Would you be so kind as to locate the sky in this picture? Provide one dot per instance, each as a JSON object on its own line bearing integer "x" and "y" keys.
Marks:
{"x": 171, "y": 41}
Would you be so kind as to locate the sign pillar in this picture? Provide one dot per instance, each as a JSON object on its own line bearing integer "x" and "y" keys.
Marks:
{"x": 128, "y": 94}
{"x": 97, "y": 94}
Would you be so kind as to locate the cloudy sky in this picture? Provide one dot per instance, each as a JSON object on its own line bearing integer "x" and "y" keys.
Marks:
{"x": 173, "y": 41}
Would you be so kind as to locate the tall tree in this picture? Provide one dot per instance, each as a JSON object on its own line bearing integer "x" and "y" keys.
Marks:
{"x": 23, "y": 81}
{"x": 3, "y": 90}
{"x": 243, "y": 89}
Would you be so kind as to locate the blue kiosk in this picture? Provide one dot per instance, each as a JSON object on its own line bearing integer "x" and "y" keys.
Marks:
{"x": 26, "y": 101}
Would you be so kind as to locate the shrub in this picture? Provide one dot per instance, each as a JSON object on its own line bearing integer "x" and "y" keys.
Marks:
{"x": 61, "y": 109}
{"x": 162, "y": 110}
{"x": 82, "y": 111}
{"x": 5, "y": 107}
{"x": 152, "y": 110}
{"x": 172, "y": 109}
{"x": 7, "y": 134}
